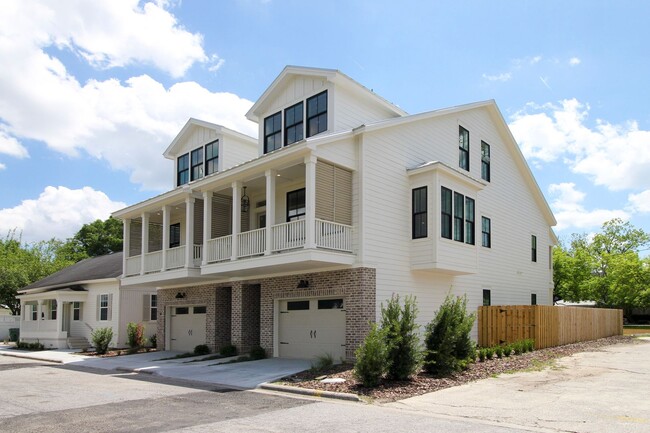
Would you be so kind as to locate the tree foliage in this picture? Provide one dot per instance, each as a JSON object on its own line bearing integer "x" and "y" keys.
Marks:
{"x": 401, "y": 337}
{"x": 96, "y": 239}
{"x": 606, "y": 269}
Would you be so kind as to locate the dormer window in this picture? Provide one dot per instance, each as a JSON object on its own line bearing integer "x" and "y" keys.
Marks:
{"x": 293, "y": 130}
{"x": 197, "y": 163}
{"x": 183, "y": 170}
{"x": 317, "y": 114}
{"x": 273, "y": 132}
{"x": 212, "y": 157}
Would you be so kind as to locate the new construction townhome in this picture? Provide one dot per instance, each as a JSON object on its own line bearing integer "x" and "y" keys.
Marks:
{"x": 292, "y": 241}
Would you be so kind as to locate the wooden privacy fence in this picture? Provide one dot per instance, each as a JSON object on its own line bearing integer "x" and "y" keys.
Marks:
{"x": 548, "y": 325}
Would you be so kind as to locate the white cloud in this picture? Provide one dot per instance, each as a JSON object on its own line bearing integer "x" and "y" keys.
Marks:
{"x": 570, "y": 212}
{"x": 506, "y": 76}
{"x": 2, "y": 166}
{"x": 10, "y": 146}
{"x": 57, "y": 212}
{"x": 574, "y": 61}
{"x": 515, "y": 65}
{"x": 614, "y": 156}
{"x": 640, "y": 202}
{"x": 128, "y": 124}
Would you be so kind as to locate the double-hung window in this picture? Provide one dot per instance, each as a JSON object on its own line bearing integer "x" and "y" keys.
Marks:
{"x": 183, "y": 170}
{"x": 103, "y": 307}
{"x": 533, "y": 248}
{"x": 533, "y": 299}
{"x": 212, "y": 157}
{"x": 197, "y": 163}
{"x": 175, "y": 235}
{"x": 463, "y": 148}
{"x": 419, "y": 206}
{"x": 459, "y": 214}
{"x": 486, "y": 232}
{"x": 296, "y": 205}
{"x": 445, "y": 213}
{"x": 485, "y": 161}
{"x": 293, "y": 124}
{"x": 153, "y": 307}
{"x": 317, "y": 114}
{"x": 53, "y": 306}
{"x": 487, "y": 297}
{"x": 273, "y": 132}
{"x": 76, "y": 311}
{"x": 469, "y": 220}
{"x": 34, "y": 312}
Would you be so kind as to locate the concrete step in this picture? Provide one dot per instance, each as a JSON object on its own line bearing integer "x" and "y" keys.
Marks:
{"x": 78, "y": 343}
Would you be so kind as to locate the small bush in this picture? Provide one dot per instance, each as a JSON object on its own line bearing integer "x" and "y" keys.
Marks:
{"x": 202, "y": 349}
{"x": 101, "y": 338}
{"x": 323, "y": 362}
{"x": 499, "y": 351}
{"x": 530, "y": 344}
{"x": 257, "y": 352}
{"x": 489, "y": 352}
{"x": 35, "y": 346}
{"x": 372, "y": 358}
{"x": 153, "y": 340}
{"x": 228, "y": 350}
{"x": 507, "y": 350}
{"x": 135, "y": 335}
{"x": 14, "y": 334}
{"x": 482, "y": 355}
{"x": 401, "y": 337}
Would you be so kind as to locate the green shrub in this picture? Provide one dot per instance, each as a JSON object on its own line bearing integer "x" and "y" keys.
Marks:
{"x": 401, "y": 338}
{"x": 202, "y": 349}
{"x": 322, "y": 362}
{"x": 371, "y": 358}
{"x": 35, "y": 346}
{"x": 499, "y": 351}
{"x": 14, "y": 334}
{"x": 482, "y": 354}
{"x": 507, "y": 350}
{"x": 135, "y": 335}
{"x": 228, "y": 350}
{"x": 530, "y": 344}
{"x": 101, "y": 338}
{"x": 153, "y": 340}
{"x": 447, "y": 337}
{"x": 257, "y": 352}
{"x": 489, "y": 352}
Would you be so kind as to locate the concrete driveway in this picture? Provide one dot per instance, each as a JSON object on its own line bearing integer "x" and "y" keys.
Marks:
{"x": 590, "y": 392}
{"x": 240, "y": 375}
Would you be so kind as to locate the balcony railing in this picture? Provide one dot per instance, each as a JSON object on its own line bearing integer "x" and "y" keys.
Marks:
{"x": 333, "y": 236}
{"x": 153, "y": 262}
{"x": 287, "y": 236}
{"x": 133, "y": 265}
{"x": 176, "y": 257}
{"x": 252, "y": 243}
{"x": 219, "y": 249}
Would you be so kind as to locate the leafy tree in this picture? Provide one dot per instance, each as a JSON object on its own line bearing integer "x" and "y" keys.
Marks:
{"x": 401, "y": 337}
{"x": 371, "y": 358}
{"x": 96, "y": 239}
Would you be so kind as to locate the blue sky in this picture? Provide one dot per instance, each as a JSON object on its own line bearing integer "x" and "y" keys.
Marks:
{"x": 91, "y": 93}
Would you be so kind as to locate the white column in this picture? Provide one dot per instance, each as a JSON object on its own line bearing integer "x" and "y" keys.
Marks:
{"x": 310, "y": 201}
{"x": 126, "y": 243}
{"x": 270, "y": 209}
{"x": 165, "y": 235}
{"x": 189, "y": 232}
{"x": 39, "y": 313}
{"x": 59, "y": 316}
{"x": 236, "y": 218}
{"x": 145, "y": 240}
{"x": 207, "y": 224}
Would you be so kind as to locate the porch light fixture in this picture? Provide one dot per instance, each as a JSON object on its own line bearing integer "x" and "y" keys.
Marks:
{"x": 245, "y": 202}
{"x": 181, "y": 295}
{"x": 303, "y": 284}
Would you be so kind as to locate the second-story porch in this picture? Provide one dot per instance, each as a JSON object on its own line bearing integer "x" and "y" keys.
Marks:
{"x": 296, "y": 217}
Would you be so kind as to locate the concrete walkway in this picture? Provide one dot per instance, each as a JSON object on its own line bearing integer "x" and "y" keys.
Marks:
{"x": 241, "y": 375}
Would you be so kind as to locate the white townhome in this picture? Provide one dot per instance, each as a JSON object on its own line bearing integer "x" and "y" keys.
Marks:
{"x": 293, "y": 241}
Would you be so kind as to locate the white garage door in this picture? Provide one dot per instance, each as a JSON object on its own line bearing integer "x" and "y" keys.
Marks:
{"x": 187, "y": 327}
{"x": 312, "y": 327}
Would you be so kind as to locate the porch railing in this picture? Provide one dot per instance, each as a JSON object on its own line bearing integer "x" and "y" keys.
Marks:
{"x": 153, "y": 262}
{"x": 252, "y": 243}
{"x": 176, "y": 257}
{"x": 133, "y": 265}
{"x": 197, "y": 255}
{"x": 289, "y": 235}
{"x": 333, "y": 236}
{"x": 219, "y": 249}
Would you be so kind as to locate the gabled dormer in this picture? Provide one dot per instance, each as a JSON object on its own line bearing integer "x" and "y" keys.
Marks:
{"x": 202, "y": 149}
{"x": 305, "y": 102}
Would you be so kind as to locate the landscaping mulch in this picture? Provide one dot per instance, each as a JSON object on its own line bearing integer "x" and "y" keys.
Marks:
{"x": 423, "y": 383}
{"x": 117, "y": 352}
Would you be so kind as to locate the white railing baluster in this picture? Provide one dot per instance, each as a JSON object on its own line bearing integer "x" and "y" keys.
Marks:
{"x": 333, "y": 236}
{"x": 252, "y": 243}
{"x": 133, "y": 264}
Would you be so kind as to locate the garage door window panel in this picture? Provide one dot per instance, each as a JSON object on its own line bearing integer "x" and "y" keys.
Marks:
{"x": 297, "y": 305}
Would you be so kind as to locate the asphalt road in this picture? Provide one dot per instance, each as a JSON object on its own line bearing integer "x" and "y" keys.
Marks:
{"x": 42, "y": 397}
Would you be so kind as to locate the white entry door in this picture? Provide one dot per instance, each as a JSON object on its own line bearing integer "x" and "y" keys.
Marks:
{"x": 187, "y": 327}
{"x": 312, "y": 327}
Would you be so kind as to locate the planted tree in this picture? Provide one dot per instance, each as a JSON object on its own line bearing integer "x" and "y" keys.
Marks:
{"x": 102, "y": 338}
{"x": 400, "y": 335}
{"x": 135, "y": 335}
{"x": 371, "y": 358}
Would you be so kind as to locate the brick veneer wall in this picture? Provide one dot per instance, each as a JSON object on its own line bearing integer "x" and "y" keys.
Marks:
{"x": 246, "y": 316}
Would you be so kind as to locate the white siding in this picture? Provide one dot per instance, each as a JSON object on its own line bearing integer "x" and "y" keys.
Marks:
{"x": 90, "y": 308}
{"x": 352, "y": 111}
{"x": 132, "y": 310}
{"x": 199, "y": 136}
{"x": 295, "y": 90}
{"x": 234, "y": 151}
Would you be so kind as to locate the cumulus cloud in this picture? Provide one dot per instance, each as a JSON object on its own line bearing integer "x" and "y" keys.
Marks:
{"x": 126, "y": 123}
{"x": 10, "y": 146}
{"x": 2, "y": 166}
{"x": 574, "y": 61}
{"x": 58, "y": 212}
{"x": 570, "y": 212}
{"x": 640, "y": 202}
{"x": 616, "y": 156}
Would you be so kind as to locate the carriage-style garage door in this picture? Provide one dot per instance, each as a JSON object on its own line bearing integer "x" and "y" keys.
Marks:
{"x": 187, "y": 327}
{"x": 312, "y": 327}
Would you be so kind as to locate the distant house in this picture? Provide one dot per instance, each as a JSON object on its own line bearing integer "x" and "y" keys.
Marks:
{"x": 62, "y": 310}
{"x": 292, "y": 241}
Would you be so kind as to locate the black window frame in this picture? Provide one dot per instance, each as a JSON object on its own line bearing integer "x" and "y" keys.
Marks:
{"x": 533, "y": 299}
{"x": 330, "y": 304}
{"x": 153, "y": 307}
{"x": 211, "y": 163}
{"x": 183, "y": 169}
{"x": 459, "y": 217}
{"x": 446, "y": 213}
{"x": 298, "y": 215}
{"x": 487, "y": 297}
{"x": 486, "y": 235}
{"x": 533, "y": 248}
{"x": 463, "y": 148}
{"x": 76, "y": 311}
{"x": 419, "y": 210}
{"x": 301, "y": 305}
{"x": 275, "y": 132}
{"x": 34, "y": 312}
{"x": 485, "y": 161}
{"x": 294, "y": 124}
{"x": 196, "y": 164}
{"x": 320, "y": 114}
{"x": 175, "y": 235}
{"x": 470, "y": 220}
{"x": 200, "y": 309}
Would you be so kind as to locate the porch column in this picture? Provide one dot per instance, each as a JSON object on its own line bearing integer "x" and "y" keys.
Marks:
{"x": 39, "y": 313}
{"x": 236, "y": 218}
{"x": 59, "y": 316}
{"x": 23, "y": 312}
{"x": 165, "y": 235}
{"x": 126, "y": 244}
{"x": 145, "y": 241}
{"x": 189, "y": 231}
{"x": 270, "y": 209}
{"x": 207, "y": 224}
{"x": 310, "y": 201}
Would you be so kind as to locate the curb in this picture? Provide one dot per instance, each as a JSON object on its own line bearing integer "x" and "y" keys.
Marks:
{"x": 33, "y": 358}
{"x": 310, "y": 392}
{"x": 136, "y": 370}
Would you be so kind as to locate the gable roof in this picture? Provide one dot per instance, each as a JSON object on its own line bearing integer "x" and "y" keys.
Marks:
{"x": 193, "y": 123}
{"x": 332, "y": 75}
{"x": 94, "y": 268}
